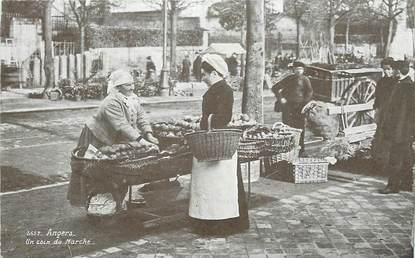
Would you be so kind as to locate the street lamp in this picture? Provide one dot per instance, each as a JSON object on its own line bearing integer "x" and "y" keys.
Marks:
{"x": 164, "y": 84}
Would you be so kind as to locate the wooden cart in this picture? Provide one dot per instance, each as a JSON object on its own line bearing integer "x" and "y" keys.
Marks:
{"x": 351, "y": 93}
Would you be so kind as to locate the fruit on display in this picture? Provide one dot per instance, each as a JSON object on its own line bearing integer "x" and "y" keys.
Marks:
{"x": 175, "y": 149}
{"x": 176, "y": 128}
{"x": 241, "y": 121}
{"x": 259, "y": 132}
{"x": 132, "y": 150}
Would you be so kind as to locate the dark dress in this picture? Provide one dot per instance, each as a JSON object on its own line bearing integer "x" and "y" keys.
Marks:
{"x": 197, "y": 68}
{"x": 218, "y": 100}
{"x": 232, "y": 66}
{"x": 383, "y": 91}
{"x": 186, "y": 70}
{"x": 395, "y": 134}
{"x": 150, "y": 67}
{"x": 297, "y": 91}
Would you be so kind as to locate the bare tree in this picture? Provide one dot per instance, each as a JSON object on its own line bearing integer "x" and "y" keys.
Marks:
{"x": 175, "y": 7}
{"x": 255, "y": 62}
{"x": 47, "y": 32}
{"x": 82, "y": 11}
{"x": 298, "y": 9}
{"x": 389, "y": 10}
{"x": 411, "y": 24}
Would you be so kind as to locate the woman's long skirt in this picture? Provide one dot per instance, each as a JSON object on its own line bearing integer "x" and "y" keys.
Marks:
{"x": 217, "y": 198}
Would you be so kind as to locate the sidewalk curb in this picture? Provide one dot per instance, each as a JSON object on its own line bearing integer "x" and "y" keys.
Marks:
{"x": 90, "y": 106}
{"x": 34, "y": 188}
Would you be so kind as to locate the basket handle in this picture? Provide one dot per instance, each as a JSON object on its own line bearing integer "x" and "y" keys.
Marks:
{"x": 210, "y": 122}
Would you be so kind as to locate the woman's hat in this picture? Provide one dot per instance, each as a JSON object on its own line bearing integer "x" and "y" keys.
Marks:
{"x": 217, "y": 62}
{"x": 119, "y": 77}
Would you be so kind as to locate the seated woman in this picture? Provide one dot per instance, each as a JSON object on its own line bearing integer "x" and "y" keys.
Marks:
{"x": 120, "y": 118}
{"x": 217, "y": 196}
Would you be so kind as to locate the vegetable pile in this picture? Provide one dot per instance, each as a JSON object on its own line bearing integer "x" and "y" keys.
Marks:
{"x": 241, "y": 121}
{"x": 176, "y": 128}
{"x": 132, "y": 150}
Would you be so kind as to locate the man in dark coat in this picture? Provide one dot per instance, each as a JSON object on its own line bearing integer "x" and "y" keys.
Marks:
{"x": 396, "y": 133}
{"x": 186, "y": 69}
{"x": 197, "y": 67}
{"x": 294, "y": 92}
{"x": 150, "y": 67}
{"x": 232, "y": 62}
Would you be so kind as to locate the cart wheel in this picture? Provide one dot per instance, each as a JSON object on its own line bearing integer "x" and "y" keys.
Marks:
{"x": 360, "y": 92}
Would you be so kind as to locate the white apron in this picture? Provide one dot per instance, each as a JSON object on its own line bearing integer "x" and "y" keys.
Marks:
{"x": 214, "y": 189}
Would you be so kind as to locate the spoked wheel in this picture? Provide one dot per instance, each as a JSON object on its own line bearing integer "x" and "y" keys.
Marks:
{"x": 360, "y": 92}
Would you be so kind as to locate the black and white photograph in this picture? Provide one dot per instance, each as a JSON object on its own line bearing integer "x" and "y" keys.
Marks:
{"x": 207, "y": 128}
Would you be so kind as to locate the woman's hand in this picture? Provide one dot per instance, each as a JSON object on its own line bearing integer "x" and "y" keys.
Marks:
{"x": 147, "y": 143}
{"x": 149, "y": 137}
{"x": 283, "y": 100}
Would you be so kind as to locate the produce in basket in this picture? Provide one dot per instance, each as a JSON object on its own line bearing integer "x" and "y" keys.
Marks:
{"x": 259, "y": 132}
{"x": 241, "y": 121}
{"x": 176, "y": 128}
{"x": 133, "y": 150}
{"x": 175, "y": 149}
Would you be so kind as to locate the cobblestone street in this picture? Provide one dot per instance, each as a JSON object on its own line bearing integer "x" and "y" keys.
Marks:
{"x": 324, "y": 220}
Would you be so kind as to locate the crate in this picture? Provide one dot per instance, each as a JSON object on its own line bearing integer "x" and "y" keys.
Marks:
{"x": 255, "y": 171}
{"x": 309, "y": 170}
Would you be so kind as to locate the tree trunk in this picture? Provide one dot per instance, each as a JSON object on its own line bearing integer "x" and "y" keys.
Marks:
{"x": 382, "y": 36}
{"x": 413, "y": 42}
{"x": 297, "y": 51}
{"x": 48, "y": 64}
{"x": 332, "y": 27}
{"x": 82, "y": 45}
{"x": 346, "y": 36}
{"x": 389, "y": 39}
{"x": 243, "y": 39}
{"x": 173, "y": 38}
{"x": 255, "y": 62}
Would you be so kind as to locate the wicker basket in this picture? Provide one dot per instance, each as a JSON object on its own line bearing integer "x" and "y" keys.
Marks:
{"x": 251, "y": 150}
{"x": 165, "y": 141}
{"x": 309, "y": 170}
{"x": 92, "y": 167}
{"x": 285, "y": 128}
{"x": 179, "y": 164}
{"x": 213, "y": 145}
{"x": 290, "y": 156}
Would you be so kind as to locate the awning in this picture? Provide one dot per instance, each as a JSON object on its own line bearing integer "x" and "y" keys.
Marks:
{"x": 225, "y": 49}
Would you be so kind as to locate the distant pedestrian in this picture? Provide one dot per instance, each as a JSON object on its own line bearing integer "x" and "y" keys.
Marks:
{"x": 232, "y": 62}
{"x": 150, "y": 68}
{"x": 197, "y": 66}
{"x": 186, "y": 69}
{"x": 267, "y": 77}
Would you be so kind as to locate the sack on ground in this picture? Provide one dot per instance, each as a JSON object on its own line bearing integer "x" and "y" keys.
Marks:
{"x": 319, "y": 121}
{"x": 101, "y": 205}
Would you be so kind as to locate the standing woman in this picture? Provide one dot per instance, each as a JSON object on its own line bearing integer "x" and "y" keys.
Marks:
{"x": 217, "y": 196}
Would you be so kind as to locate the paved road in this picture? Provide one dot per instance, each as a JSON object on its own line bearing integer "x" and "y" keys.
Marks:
{"x": 334, "y": 219}
{"x": 40, "y": 143}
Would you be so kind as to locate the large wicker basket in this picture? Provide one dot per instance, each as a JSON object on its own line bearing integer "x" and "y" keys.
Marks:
{"x": 92, "y": 167}
{"x": 213, "y": 145}
{"x": 180, "y": 164}
{"x": 309, "y": 170}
